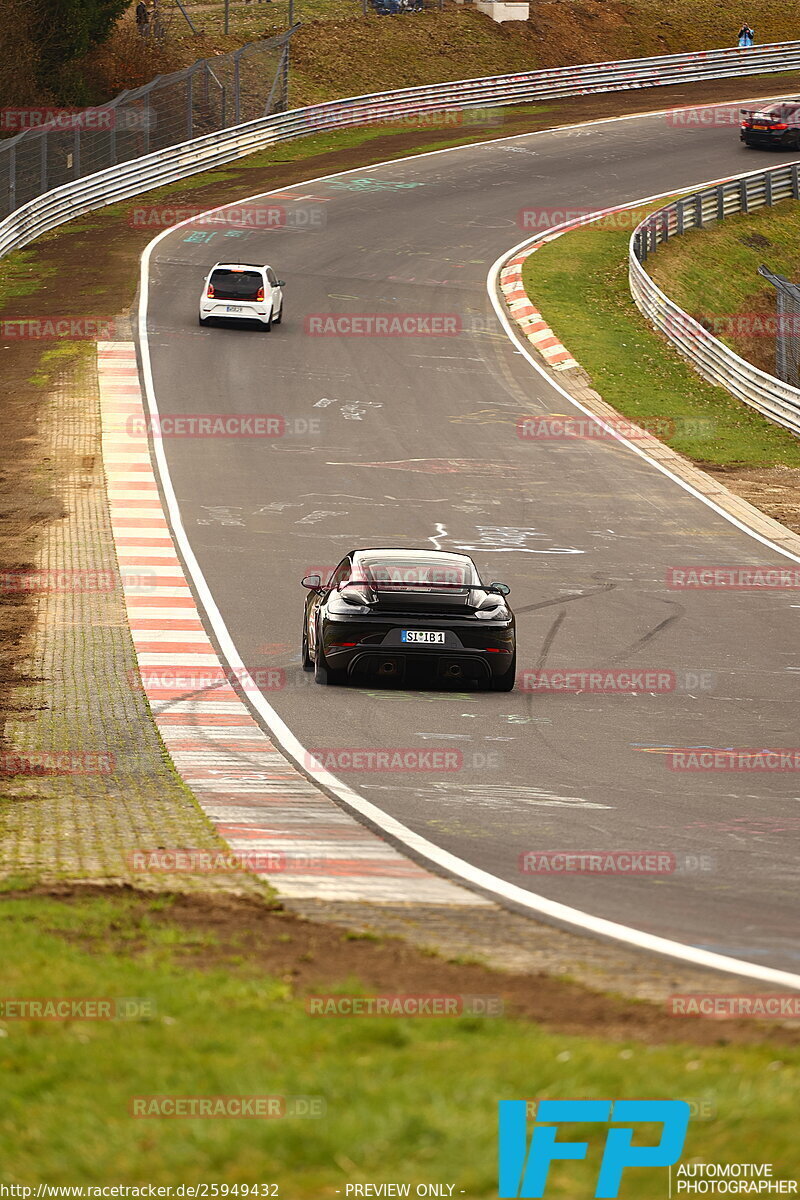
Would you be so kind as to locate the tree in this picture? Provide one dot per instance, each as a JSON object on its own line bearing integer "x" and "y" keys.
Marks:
{"x": 65, "y": 30}
{"x": 18, "y": 70}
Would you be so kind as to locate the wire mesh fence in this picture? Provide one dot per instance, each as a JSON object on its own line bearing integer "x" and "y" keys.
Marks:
{"x": 61, "y": 145}
{"x": 787, "y": 327}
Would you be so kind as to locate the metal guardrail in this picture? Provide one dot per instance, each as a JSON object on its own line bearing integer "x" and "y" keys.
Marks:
{"x": 714, "y": 360}
{"x": 46, "y": 212}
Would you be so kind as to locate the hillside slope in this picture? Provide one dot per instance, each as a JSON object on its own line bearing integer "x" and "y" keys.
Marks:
{"x": 344, "y": 55}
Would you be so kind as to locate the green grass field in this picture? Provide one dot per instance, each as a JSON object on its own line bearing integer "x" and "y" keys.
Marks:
{"x": 406, "y": 1099}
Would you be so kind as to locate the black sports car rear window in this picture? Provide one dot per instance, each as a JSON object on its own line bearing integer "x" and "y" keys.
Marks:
{"x": 236, "y": 285}
{"x": 397, "y": 571}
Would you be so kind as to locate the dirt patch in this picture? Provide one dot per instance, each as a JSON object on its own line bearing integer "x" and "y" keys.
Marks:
{"x": 775, "y": 490}
{"x": 246, "y": 936}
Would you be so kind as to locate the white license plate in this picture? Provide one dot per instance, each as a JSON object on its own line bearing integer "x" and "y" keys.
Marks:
{"x": 234, "y": 308}
{"x": 423, "y": 635}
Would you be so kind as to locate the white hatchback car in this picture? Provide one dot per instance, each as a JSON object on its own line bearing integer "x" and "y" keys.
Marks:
{"x": 242, "y": 292}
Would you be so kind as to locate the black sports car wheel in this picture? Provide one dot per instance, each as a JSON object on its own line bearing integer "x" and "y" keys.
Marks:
{"x": 305, "y": 657}
{"x": 505, "y": 682}
{"x": 323, "y": 673}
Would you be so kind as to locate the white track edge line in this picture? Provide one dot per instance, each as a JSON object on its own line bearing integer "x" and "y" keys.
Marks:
{"x": 291, "y": 745}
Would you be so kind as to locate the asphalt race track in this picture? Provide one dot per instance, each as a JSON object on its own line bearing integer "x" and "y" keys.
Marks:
{"x": 412, "y": 441}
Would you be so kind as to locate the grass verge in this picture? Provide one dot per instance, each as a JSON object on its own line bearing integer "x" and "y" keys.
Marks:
{"x": 399, "y": 1103}
{"x": 580, "y": 284}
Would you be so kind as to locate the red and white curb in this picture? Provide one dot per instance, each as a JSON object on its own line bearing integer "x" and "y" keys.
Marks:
{"x": 261, "y": 805}
{"x": 529, "y": 319}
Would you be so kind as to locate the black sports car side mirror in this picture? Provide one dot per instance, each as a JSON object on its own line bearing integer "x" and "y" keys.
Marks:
{"x": 502, "y": 588}
{"x": 312, "y": 582}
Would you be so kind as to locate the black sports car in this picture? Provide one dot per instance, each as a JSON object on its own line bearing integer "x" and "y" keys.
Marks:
{"x": 404, "y": 614}
{"x": 777, "y": 126}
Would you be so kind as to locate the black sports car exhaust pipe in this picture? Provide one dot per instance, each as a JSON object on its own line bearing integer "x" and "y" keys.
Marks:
{"x": 387, "y": 668}
{"x": 453, "y": 671}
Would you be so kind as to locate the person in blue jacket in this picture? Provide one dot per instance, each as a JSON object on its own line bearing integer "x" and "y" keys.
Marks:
{"x": 746, "y": 35}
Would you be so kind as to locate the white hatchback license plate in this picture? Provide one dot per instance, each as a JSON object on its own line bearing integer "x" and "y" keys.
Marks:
{"x": 423, "y": 635}
{"x": 234, "y": 308}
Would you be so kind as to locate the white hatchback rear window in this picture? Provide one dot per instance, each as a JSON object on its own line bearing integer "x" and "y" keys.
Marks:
{"x": 236, "y": 285}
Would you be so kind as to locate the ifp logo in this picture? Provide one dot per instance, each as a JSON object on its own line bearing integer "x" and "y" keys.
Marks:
{"x": 524, "y": 1172}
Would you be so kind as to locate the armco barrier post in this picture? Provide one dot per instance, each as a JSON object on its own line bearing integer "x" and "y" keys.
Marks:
{"x": 12, "y": 178}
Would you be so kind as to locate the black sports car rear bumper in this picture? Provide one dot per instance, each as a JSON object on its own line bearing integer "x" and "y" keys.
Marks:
{"x": 781, "y": 140}
{"x": 471, "y": 651}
